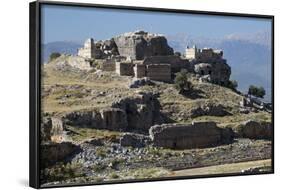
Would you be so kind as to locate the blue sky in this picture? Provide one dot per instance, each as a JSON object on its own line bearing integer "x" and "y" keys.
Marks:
{"x": 66, "y": 23}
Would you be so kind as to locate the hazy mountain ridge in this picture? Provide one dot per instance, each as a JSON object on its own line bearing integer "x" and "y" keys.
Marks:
{"x": 248, "y": 55}
{"x": 67, "y": 47}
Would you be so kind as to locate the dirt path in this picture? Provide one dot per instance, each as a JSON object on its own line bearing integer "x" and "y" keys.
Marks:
{"x": 220, "y": 169}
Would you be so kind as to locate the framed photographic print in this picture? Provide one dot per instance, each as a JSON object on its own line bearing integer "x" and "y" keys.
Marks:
{"x": 130, "y": 94}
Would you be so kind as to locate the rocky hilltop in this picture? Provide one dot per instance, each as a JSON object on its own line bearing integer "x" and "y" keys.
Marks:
{"x": 110, "y": 113}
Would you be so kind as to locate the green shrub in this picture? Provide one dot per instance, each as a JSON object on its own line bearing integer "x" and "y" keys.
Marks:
{"x": 54, "y": 55}
{"x": 182, "y": 82}
{"x": 232, "y": 84}
{"x": 256, "y": 91}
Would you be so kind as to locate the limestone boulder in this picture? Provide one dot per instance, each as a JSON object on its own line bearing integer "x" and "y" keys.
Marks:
{"x": 195, "y": 135}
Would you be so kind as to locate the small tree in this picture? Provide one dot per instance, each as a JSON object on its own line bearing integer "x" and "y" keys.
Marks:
{"x": 177, "y": 53}
{"x": 232, "y": 84}
{"x": 256, "y": 91}
{"x": 54, "y": 55}
{"x": 182, "y": 83}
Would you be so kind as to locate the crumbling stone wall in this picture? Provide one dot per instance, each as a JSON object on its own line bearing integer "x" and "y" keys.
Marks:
{"x": 176, "y": 62}
{"x": 108, "y": 65}
{"x": 139, "y": 71}
{"x": 88, "y": 51}
{"x": 124, "y": 69}
{"x": 195, "y": 135}
{"x": 159, "y": 72}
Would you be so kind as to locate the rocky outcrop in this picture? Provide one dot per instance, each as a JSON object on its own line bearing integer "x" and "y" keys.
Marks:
{"x": 195, "y": 135}
{"x": 255, "y": 130}
{"x": 209, "y": 110}
{"x": 114, "y": 119}
{"x": 108, "y": 118}
{"x": 55, "y": 152}
{"x": 142, "y": 110}
{"x": 52, "y": 129}
{"x": 138, "y": 82}
{"x": 138, "y": 112}
{"x": 138, "y": 45}
{"x": 218, "y": 72}
{"x": 69, "y": 62}
{"x": 134, "y": 140}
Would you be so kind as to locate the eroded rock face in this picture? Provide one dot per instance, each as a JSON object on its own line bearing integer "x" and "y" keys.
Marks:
{"x": 138, "y": 45}
{"x": 134, "y": 140}
{"x": 55, "y": 152}
{"x": 195, "y": 135}
{"x": 52, "y": 129}
{"x": 255, "y": 130}
{"x": 142, "y": 111}
{"x": 138, "y": 112}
{"x": 109, "y": 118}
{"x": 114, "y": 119}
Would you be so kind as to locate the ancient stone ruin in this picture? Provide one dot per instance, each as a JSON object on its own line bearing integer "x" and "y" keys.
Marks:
{"x": 140, "y": 44}
{"x": 88, "y": 51}
{"x": 210, "y": 64}
{"x": 195, "y": 135}
{"x": 142, "y": 54}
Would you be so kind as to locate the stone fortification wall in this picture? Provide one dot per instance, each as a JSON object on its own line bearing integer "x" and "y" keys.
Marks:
{"x": 124, "y": 69}
{"x": 159, "y": 72}
{"x": 195, "y": 135}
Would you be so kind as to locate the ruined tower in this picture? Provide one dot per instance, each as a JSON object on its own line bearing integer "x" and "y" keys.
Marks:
{"x": 88, "y": 51}
{"x": 191, "y": 53}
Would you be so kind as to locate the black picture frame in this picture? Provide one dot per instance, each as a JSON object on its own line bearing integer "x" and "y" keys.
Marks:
{"x": 35, "y": 84}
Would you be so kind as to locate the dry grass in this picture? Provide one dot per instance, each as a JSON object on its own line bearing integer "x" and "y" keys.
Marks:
{"x": 223, "y": 169}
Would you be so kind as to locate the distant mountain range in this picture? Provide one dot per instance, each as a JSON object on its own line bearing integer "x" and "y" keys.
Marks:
{"x": 248, "y": 55}
{"x": 66, "y": 47}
